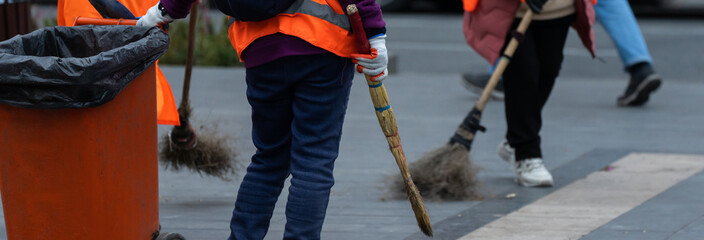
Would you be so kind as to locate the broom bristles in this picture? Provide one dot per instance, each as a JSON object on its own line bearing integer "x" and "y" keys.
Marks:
{"x": 212, "y": 155}
{"x": 446, "y": 173}
{"x": 419, "y": 209}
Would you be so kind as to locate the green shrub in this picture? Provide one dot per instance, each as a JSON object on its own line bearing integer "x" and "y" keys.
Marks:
{"x": 49, "y": 22}
{"x": 212, "y": 48}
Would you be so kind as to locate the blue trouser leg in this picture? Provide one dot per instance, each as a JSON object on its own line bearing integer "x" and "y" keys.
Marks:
{"x": 319, "y": 108}
{"x": 270, "y": 96}
{"x": 298, "y": 107}
{"x": 492, "y": 67}
{"x": 617, "y": 18}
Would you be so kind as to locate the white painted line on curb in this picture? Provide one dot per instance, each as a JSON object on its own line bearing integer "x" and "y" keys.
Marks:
{"x": 577, "y": 209}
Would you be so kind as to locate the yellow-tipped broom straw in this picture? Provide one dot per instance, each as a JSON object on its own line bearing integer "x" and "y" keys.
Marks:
{"x": 387, "y": 120}
{"x": 205, "y": 153}
{"x": 452, "y": 159}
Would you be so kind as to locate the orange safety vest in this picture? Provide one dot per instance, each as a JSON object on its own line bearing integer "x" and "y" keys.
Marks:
{"x": 469, "y": 5}
{"x": 322, "y": 23}
{"x": 167, "y": 112}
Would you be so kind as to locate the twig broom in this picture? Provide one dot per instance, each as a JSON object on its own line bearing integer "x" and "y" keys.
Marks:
{"x": 181, "y": 147}
{"x": 387, "y": 120}
{"x": 447, "y": 172}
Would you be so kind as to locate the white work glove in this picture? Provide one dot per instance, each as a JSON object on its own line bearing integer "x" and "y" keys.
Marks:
{"x": 376, "y": 63}
{"x": 156, "y": 15}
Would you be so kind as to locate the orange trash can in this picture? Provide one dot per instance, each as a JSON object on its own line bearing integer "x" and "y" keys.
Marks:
{"x": 82, "y": 173}
{"x": 87, "y": 172}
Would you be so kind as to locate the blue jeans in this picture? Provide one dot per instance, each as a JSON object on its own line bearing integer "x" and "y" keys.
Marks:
{"x": 298, "y": 107}
{"x": 617, "y": 18}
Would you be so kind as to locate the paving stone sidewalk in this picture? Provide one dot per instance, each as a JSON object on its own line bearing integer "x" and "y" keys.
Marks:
{"x": 583, "y": 131}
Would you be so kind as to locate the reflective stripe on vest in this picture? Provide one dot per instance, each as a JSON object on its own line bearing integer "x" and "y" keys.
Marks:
{"x": 317, "y": 23}
{"x": 320, "y": 11}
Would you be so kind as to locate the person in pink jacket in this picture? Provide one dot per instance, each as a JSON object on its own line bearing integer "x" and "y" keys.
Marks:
{"x": 530, "y": 76}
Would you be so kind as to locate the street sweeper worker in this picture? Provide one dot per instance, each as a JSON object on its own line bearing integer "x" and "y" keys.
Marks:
{"x": 531, "y": 73}
{"x": 68, "y": 10}
{"x": 616, "y": 16}
{"x": 298, "y": 55}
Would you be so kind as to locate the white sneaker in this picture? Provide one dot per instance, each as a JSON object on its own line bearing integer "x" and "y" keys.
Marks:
{"x": 532, "y": 173}
{"x": 506, "y": 152}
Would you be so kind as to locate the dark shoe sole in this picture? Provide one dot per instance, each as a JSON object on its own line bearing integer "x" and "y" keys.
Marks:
{"x": 496, "y": 95}
{"x": 642, "y": 93}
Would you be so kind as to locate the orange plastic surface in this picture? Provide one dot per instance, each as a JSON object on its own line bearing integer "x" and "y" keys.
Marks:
{"x": 68, "y": 10}
{"x": 470, "y": 5}
{"x": 103, "y": 21}
{"x": 74, "y": 174}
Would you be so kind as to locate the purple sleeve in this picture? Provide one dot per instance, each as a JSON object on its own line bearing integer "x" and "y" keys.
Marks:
{"x": 370, "y": 12}
{"x": 178, "y": 8}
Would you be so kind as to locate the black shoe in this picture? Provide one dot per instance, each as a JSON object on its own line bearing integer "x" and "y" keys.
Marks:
{"x": 476, "y": 82}
{"x": 639, "y": 90}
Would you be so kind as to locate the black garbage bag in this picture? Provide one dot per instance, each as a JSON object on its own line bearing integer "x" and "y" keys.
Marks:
{"x": 75, "y": 67}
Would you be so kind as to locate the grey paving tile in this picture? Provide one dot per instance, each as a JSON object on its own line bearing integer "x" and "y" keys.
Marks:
{"x": 694, "y": 230}
{"x": 488, "y": 210}
{"x": 657, "y": 217}
{"x": 626, "y": 235}
{"x": 677, "y": 211}
{"x": 201, "y": 234}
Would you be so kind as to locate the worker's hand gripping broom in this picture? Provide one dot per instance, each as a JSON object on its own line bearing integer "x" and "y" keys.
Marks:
{"x": 447, "y": 172}
{"x": 387, "y": 120}
{"x": 203, "y": 153}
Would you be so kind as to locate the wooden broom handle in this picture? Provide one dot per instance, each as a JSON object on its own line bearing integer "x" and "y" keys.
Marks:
{"x": 503, "y": 63}
{"x": 380, "y": 98}
{"x": 387, "y": 121}
{"x": 189, "y": 58}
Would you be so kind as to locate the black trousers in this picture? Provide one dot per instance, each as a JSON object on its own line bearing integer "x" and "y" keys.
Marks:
{"x": 529, "y": 79}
